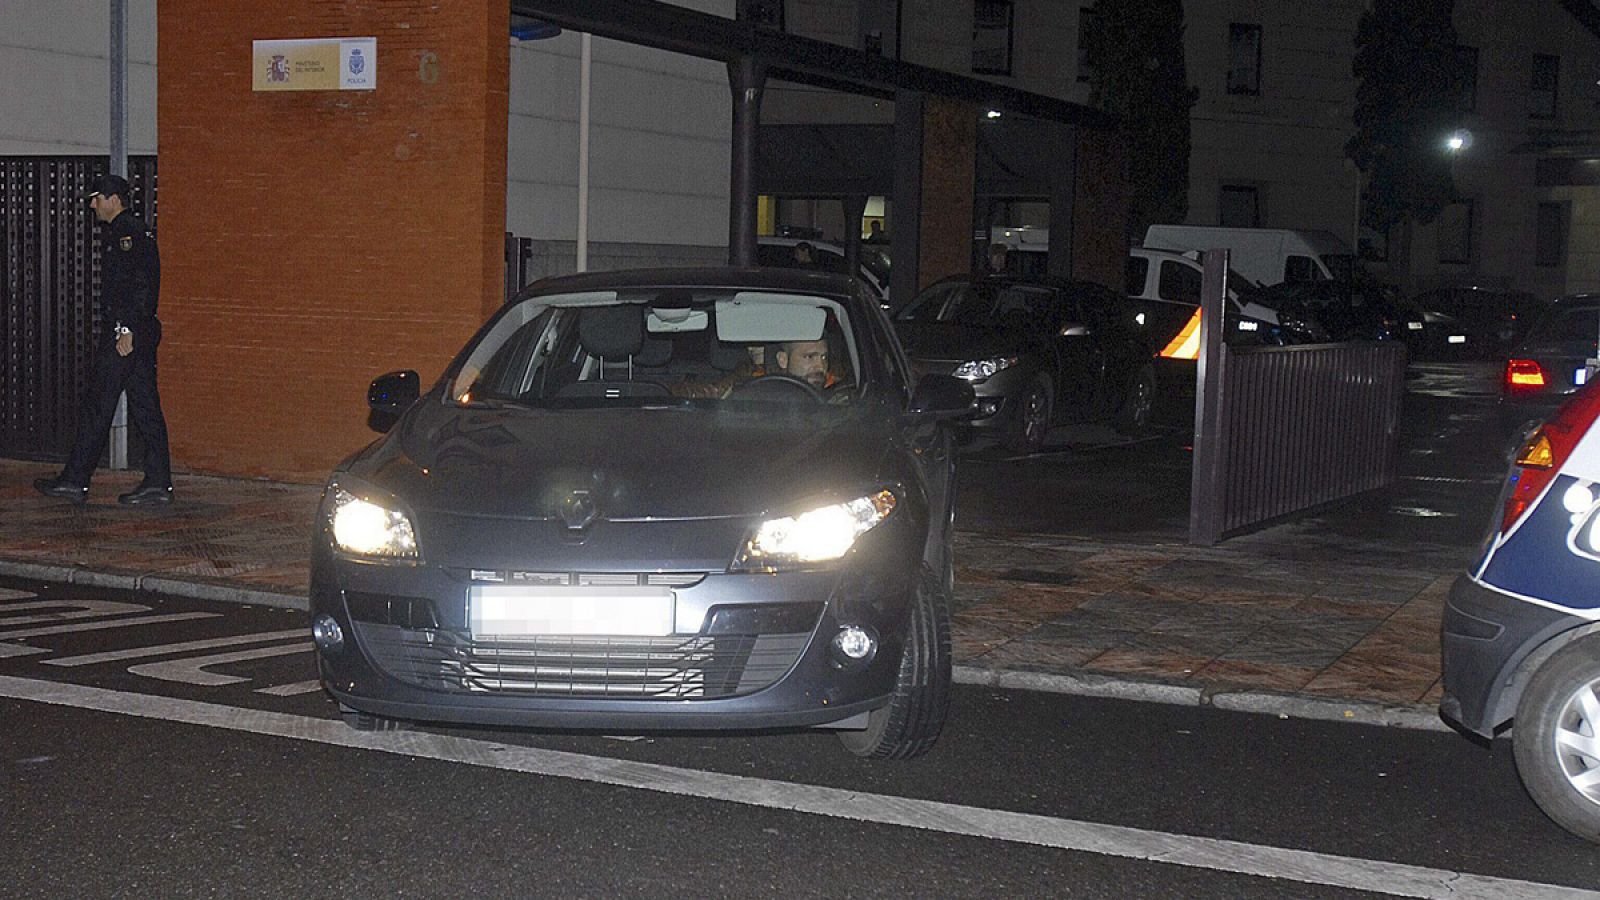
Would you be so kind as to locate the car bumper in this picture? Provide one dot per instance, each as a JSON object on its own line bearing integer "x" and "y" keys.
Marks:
{"x": 1484, "y": 637}
{"x": 749, "y": 651}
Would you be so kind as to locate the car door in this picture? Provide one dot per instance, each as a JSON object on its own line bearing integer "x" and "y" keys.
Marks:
{"x": 1077, "y": 340}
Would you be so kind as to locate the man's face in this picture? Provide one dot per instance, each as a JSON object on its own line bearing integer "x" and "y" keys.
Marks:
{"x": 105, "y": 208}
{"x": 805, "y": 359}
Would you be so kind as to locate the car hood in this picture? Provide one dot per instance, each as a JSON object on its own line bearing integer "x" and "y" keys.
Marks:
{"x": 522, "y": 463}
{"x": 941, "y": 341}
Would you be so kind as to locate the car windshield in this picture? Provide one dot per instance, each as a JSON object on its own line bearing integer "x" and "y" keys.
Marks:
{"x": 981, "y": 304}
{"x": 672, "y": 346}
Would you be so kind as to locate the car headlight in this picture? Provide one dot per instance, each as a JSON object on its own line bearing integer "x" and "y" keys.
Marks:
{"x": 362, "y": 527}
{"x": 983, "y": 369}
{"x": 819, "y": 535}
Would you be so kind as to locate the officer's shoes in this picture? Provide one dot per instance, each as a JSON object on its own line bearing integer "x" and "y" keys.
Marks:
{"x": 55, "y": 487}
{"x": 147, "y": 495}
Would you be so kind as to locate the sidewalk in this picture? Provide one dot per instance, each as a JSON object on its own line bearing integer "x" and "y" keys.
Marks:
{"x": 1302, "y": 619}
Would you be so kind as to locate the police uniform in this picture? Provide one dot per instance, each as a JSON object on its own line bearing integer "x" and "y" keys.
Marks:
{"x": 130, "y": 287}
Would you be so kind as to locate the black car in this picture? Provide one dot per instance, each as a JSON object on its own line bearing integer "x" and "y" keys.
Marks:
{"x": 1471, "y": 322}
{"x": 620, "y": 508}
{"x": 1361, "y": 309}
{"x": 1550, "y": 364}
{"x": 1037, "y": 352}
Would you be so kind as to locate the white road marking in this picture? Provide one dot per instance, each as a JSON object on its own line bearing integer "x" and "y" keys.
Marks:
{"x": 11, "y": 594}
{"x": 193, "y": 671}
{"x": 291, "y": 690}
{"x": 260, "y": 637}
{"x": 80, "y": 609}
{"x": 19, "y": 650}
{"x": 1089, "y": 837}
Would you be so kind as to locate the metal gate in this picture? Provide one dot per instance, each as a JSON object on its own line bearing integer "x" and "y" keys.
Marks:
{"x": 50, "y": 277}
{"x": 1283, "y": 429}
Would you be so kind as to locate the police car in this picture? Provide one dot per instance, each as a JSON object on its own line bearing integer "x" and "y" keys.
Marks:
{"x": 1520, "y": 637}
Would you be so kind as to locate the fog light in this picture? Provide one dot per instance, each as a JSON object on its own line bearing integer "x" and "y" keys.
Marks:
{"x": 988, "y": 406}
{"x": 326, "y": 633}
{"x": 854, "y": 644}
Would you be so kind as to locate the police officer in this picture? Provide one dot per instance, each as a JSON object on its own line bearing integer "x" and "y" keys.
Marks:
{"x": 124, "y": 355}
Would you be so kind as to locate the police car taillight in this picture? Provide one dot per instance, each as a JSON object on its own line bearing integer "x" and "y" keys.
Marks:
{"x": 1545, "y": 450}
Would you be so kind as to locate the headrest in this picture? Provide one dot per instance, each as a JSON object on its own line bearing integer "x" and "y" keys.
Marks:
{"x": 612, "y": 332}
{"x": 654, "y": 354}
{"x": 727, "y": 357}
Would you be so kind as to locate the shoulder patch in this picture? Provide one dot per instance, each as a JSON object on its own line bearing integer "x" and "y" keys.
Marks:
{"x": 126, "y": 242}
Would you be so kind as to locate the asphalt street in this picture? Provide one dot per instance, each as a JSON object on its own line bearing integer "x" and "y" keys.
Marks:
{"x": 159, "y": 746}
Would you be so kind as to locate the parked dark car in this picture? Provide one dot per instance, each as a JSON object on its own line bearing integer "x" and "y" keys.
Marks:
{"x": 606, "y": 514}
{"x": 1550, "y": 363}
{"x": 1037, "y": 351}
{"x": 1471, "y": 322}
{"x": 1520, "y": 633}
{"x": 1361, "y": 309}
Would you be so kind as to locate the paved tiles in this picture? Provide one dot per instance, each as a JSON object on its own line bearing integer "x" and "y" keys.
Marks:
{"x": 1302, "y": 609}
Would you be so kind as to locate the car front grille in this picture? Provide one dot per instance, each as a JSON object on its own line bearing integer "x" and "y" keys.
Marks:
{"x": 680, "y": 667}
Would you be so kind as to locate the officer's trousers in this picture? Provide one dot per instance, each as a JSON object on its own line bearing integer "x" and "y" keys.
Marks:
{"x": 113, "y": 374}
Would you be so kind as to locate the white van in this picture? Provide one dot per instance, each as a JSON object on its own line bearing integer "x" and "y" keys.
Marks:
{"x": 1264, "y": 255}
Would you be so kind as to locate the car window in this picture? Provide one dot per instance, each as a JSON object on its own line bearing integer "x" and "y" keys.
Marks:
{"x": 1300, "y": 268}
{"x": 929, "y": 305}
{"x": 1138, "y": 271}
{"x": 1574, "y": 330}
{"x": 646, "y": 346}
{"x": 1179, "y": 282}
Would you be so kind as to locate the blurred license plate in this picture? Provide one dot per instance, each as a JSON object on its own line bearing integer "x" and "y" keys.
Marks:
{"x": 1581, "y": 376}
{"x": 1457, "y": 339}
{"x": 514, "y": 610}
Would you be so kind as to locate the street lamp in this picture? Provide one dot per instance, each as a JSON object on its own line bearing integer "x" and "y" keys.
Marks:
{"x": 1458, "y": 140}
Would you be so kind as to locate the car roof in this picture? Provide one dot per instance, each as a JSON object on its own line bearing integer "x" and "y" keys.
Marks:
{"x": 799, "y": 281}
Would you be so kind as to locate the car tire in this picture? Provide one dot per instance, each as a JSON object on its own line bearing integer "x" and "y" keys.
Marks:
{"x": 1035, "y": 412}
{"x": 1133, "y": 417}
{"x": 1556, "y": 740}
{"x": 365, "y": 721}
{"x": 910, "y": 724}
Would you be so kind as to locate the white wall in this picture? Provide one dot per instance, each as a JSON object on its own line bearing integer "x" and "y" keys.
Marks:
{"x": 55, "y": 77}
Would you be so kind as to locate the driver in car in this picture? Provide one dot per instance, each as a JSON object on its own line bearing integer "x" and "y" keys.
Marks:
{"x": 808, "y": 361}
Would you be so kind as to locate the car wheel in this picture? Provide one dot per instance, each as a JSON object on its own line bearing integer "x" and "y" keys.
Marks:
{"x": 910, "y": 724}
{"x": 1556, "y": 739}
{"x": 1033, "y": 419}
{"x": 1134, "y": 415}
{"x": 364, "y": 721}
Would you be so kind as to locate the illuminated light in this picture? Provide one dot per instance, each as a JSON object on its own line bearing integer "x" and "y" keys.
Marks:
{"x": 466, "y": 397}
{"x": 1524, "y": 374}
{"x": 1247, "y": 325}
{"x": 1578, "y": 498}
{"x": 1414, "y": 326}
{"x": 819, "y": 535}
{"x": 1187, "y": 343}
{"x": 1537, "y": 452}
{"x": 1139, "y": 319}
{"x": 993, "y": 114}
{"x": 367, "y": 529}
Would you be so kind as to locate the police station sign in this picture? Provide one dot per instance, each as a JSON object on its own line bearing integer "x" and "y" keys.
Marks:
{"x": 316, "y": 64}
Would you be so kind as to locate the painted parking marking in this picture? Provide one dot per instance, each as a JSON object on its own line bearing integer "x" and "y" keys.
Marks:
{"x": 260, "y": 637}
{"x": 292, "y": 690}
{"x": 7, "y": 650}
{"x": 76, "y": 609}
{"x": 7, "y": 594}
{"x": 1234, "y": 857}
{"x": 192, "y": 670}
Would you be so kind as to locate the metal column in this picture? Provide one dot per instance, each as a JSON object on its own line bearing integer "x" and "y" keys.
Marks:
{"x": 119, "y": 166}
{"x": 747, "y": 78}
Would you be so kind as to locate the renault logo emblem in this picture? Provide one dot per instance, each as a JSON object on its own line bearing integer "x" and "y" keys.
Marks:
{"x": 579, "y": 510}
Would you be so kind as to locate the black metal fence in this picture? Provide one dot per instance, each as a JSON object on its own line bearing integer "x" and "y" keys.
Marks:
{"x": 1283, "y": 429}
{"x": 50, "y": 276}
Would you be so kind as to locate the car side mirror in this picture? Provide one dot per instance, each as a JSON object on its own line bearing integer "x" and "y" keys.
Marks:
{"x": 942, "y": 397}
{"x": 389, "y": 396}
{"x": 1075, "y": 329}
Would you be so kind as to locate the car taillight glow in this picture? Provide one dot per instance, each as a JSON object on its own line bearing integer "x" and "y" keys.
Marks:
{"x": 1545, "y": 450}
{"x": 1523, "y": 374}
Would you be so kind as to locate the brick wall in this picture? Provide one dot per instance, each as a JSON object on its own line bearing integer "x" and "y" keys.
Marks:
{"x": 311, "y": 240}
{"x": 949, "y": 158}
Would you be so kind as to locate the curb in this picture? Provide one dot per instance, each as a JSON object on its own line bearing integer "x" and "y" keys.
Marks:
{"x": 176, "y": 587}
{"x": 1082, "y": 684}
{"x": 1415, "y": 716}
